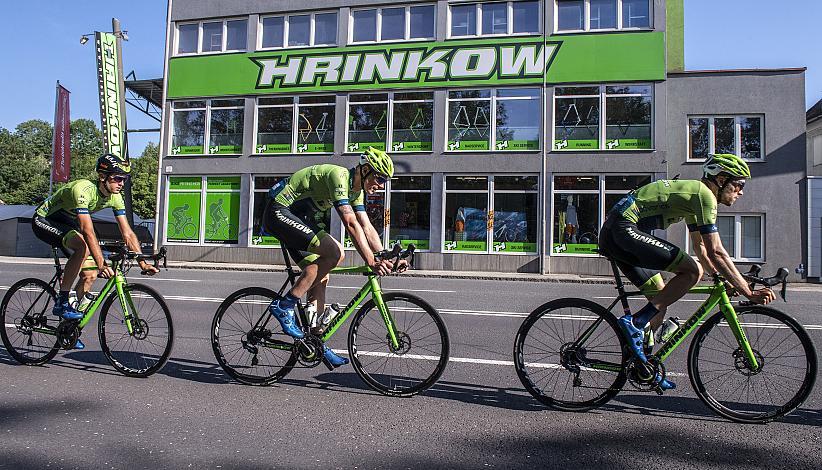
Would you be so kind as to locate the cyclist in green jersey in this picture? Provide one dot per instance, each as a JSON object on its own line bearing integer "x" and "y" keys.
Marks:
{"x": 297, "y": 213}
{"x": 626, "y": 237}
{"x": 64, "y": 220}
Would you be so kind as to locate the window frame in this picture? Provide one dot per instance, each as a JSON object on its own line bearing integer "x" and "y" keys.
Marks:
{"x": 737, "y": 248}
{"x": 737, "y": 135}
{"x": 603, "y": 116}
{"x": 200, "y": 38}
{"x": 492, "y": 118}
{"x": 389, "y": 117}
{"x": 206, "y": 127}
{"x": 378, "y": 31}
{"x": 253, "y": 191}
{"x": 286, "y": 21}
{"x": 490, "y": 192}
{"x": 203, "y": 192}
{"x": 510, "y": 20}
{"x": 586, "y": 19}
{"x": 295, "y": 115}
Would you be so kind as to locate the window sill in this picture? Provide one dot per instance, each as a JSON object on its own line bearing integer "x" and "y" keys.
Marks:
{"x": 605, "y": 31}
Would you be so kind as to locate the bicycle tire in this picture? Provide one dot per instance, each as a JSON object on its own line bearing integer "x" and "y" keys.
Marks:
{"x": 368, "y": 320}
{"x": 532, "y": 338}
{"x": 233, "y": 322}
{"x": 189, "y": 230}
{"x": 760, "y": 335}
{"x": 15, "y": 308}
{"x": 121, "y": 348}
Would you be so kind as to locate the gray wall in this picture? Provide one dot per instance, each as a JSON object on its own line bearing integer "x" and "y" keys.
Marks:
{"x": 776, "y": 186}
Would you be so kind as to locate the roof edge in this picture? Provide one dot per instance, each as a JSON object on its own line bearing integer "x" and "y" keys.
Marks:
{"x": 785, "y": 69}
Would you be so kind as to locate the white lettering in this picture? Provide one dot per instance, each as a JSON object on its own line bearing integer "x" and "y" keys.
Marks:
{"x": 352, "y": 62}
{"x": 328, "y": 66}
{"x": 271, "y": 70}
{"x": 431, "y": 62}
{"x": 388, "y": 68}
{"x": 513, "y": 59}
{"x": 485, "y": 62}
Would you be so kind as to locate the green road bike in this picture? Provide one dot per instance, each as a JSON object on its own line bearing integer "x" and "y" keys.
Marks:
{"x": 750, "y": 364}
{"x": 135, "y": 328}
{"x": 397, "y": 342}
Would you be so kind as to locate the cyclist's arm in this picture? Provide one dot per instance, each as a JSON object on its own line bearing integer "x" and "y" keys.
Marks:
{"x": 722, "y": 261}
{"x": 87, "y": 230}
{"x": 370, "y": 232}
{"x": 356, "y": 232}
{"x": 132, "y": 242}
{"x": 701, "y": 253}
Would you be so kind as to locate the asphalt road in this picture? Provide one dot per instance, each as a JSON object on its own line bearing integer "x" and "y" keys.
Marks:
{"x": 78, "y": 412}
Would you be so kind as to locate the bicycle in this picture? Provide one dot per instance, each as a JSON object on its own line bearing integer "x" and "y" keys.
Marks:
{"x": 184, "y": 227}
{"x": 741, "y": 361}
{"x": 221, "y": 228}
{"x": 393, "y": 342}
{"x": 132, "y": 316}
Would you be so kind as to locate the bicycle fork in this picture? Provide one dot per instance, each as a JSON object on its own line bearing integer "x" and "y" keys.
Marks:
{"x": 394, "y": 342}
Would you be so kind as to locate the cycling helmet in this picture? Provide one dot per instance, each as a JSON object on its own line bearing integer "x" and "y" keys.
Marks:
{"x": 726, "y": 164}
{"x": 379, "y": 161}
{"x": 112, "y": 164}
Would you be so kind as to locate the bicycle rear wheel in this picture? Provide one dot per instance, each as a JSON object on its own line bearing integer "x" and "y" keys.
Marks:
{"x": 250, "y": 353}
{"x": 568, "y": 354}
{"x": 29, "y": 328}
{"x": 145, "y": 350}
{"x": 723, "y": 380}
{"x": 421, "y": 357}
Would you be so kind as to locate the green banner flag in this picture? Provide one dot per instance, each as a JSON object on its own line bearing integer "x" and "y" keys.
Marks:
{"x": 111, "y": 94}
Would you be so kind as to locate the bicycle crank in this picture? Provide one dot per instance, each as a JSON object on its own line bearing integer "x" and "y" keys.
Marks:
{"x": 68, "y": 333}
{"x": 309, "y": 351}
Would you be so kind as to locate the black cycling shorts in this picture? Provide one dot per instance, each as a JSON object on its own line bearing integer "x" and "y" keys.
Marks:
{"x": 300, "y": 235}
{"x": 639, "y": 255}
{"x": 55, "y": 230}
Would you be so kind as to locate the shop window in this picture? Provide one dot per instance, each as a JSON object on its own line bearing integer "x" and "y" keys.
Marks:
{"x": 494, "y": 19}
{"x": 412, "y": 122}
{"x": 617, "y": 186}
{"x": 188, "y": 119}
{"x": 367, "y": 121}
{"x": 409, "y": 216}
{"x": 392, "y": 24}
{"x": 740, "y": 135}
{"x": 226, "y": 127}
{"x": 499, "y": 120}
{"x": 511, "y": 226}
{"x": 301, "y": 30}
{"x": 627, "y": 111}
{"x": 262, "y": 184}
{"x": 212, "y": 36}
{"x": 742, "y": 236}
{"x": 817, "y": 150}
{"x": 576, "y": 219}
{"x": 203, "y": 210}
{"x": 598, "y": 15}
{"x": 303, "y": 124}
{"x": 375, "y": 208}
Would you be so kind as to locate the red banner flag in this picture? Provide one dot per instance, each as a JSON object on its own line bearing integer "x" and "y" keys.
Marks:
{"x": 61, "y": 143}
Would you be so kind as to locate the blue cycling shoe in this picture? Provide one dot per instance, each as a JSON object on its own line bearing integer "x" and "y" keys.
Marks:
{"x": 664, "y": 384}
{"x": 65, "y": 311}
{"x": 333, "y": 358}
{"x": 633, "y": 335}
{"x": 286, "y": 318}
{"x": 79, "y": 344}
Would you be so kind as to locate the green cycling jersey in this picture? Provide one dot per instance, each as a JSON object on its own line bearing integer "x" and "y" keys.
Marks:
{"x": 323, "y": 186}
{"x": 664, "y": 202}
{"x": 81, "y": 197}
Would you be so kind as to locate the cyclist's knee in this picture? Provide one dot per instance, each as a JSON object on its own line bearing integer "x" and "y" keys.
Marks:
{"x": 690, "y": 269}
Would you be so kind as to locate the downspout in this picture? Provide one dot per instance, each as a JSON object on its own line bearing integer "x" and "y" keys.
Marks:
{"x": 542, "y": 185}
{"x": 162, "y": 144}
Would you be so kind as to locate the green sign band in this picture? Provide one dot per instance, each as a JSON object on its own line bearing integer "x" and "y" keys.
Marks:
{"x": 592, "y": 58}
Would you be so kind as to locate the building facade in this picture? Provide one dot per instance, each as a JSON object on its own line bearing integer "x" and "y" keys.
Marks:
{"x": 513, "y": 125}
{"x": 814, "y": 193}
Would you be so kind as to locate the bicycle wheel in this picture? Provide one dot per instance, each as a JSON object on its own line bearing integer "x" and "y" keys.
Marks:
{"x": 722, "y": 379}
{"x": 189, "y": 230}
{"x": 145, "y": 350}
{"x": 252, "y": 354}
{"x": 568, "y": 353}
{"x": 421, "y": 357}
{"x": 29, "y": 328}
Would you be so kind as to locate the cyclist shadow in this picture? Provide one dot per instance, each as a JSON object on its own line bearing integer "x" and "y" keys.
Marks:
{"x": 694, "y": 409}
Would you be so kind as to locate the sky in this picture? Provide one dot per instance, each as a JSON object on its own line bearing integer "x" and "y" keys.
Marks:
{"x": 40, "y": 44}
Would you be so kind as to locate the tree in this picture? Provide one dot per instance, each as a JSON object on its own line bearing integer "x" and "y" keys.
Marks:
{"x": 144, "y": 182}
{"x": 24, "y": 162}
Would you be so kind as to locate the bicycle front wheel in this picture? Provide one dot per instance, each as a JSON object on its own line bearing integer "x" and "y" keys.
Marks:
{"x": 145, "y": 349}
{"x": 568, "y": 354}
{"x": 29, "y": 328}
{"x": 246, "y": 347}
{"x": 423, "y": 348}
{"x": 723, "y": 379}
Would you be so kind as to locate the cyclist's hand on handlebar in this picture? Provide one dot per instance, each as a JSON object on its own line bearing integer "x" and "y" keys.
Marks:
{"x": 106, "y": 272}
{"x": 382, "y": 267}
{"x": 402, "y": 266}
{"x": 762, "y": 296}
{"x": 148, "y": 269}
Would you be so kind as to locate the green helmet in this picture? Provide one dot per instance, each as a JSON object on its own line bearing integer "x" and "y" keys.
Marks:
{"x": 726, "y": 163}
{"x": 110, "y": 163}
{"x": 379, "y": 161}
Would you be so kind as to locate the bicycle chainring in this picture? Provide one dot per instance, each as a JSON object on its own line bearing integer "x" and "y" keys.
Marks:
{"x": 643, "y": 377}
{"x": 68, "y": 333}
{"x": 309, "y": 351}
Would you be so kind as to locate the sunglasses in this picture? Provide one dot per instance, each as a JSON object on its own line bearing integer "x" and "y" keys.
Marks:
{"x": 380, "y": 179}
{"x": 119, "y": 178}
{"x": 738, "y": 184}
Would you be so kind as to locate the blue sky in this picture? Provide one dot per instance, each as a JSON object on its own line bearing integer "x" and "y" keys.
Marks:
{"x": 41, "y": 44}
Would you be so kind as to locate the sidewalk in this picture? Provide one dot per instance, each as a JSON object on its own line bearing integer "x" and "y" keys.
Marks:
{"x": 479, "y": 275}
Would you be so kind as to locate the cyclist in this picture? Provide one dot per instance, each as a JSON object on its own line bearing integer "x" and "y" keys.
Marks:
{"x": 626, "y": 237}
{"x": 64, "y": 220}
{"x": 180, "y": 217}
{"x": 297, "y": 212}
{"x": 218, "y": 216}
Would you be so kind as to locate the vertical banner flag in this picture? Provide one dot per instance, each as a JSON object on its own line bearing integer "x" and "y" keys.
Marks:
{"x": 61, "y": 141}
{"x": 108, "y": 79}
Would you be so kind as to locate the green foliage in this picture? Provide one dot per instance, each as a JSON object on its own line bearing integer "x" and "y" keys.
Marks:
{"x": 24, "y": 162}
{"x": 144, "y": 182}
